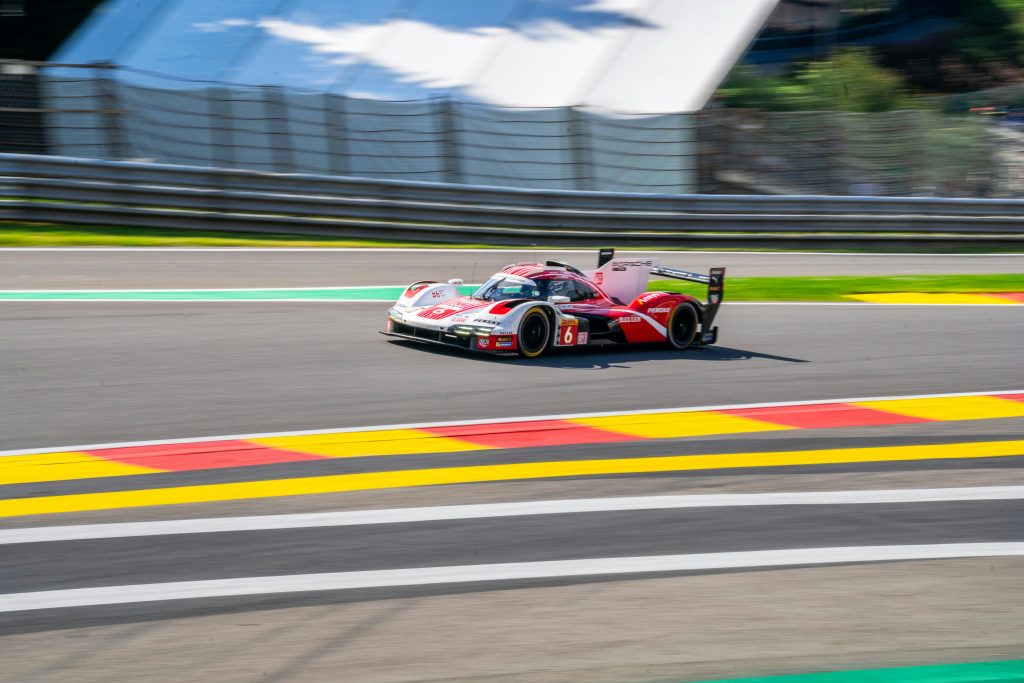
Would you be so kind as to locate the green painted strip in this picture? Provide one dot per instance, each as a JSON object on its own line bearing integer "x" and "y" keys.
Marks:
{"x": 383, "y": 294}
{"x": 983, "y": 672}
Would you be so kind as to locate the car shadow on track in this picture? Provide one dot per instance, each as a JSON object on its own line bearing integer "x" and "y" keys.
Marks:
{"x": 596, "y": 358}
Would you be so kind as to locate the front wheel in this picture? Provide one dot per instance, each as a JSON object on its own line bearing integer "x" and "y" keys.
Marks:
{"x": 682, "y": 326}
{"x": 534, "y": 333}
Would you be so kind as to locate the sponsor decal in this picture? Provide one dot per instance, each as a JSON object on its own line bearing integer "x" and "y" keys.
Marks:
{"x": 459, "y": 319}
{"x": 450, "y": 308}
{"x": 504, "y": 345}
{"x": 630, "y": 319}
{"x": 581, "y": 338}
{"x": 483, "y": 343}
{"x": 599, "y": 278}
{"x": 648, "y": 297}
{"x": 567, "y": 335}
{"x": 437, "y": 294}
{"x": 659, "y": 310}
{"x": 623, "y": 265}
{"x": 486, "y": 321}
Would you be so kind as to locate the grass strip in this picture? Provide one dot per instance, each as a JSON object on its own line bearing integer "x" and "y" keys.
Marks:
{"x": 738, "y": 289}
{"x": 837, "y": 287}
{"x": 1005, "y": 672}
{"x": 13, "y": 234}
{"x": 25, "y": 235}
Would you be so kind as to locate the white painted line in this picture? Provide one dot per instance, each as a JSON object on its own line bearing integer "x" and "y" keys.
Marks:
{"x": 850, "y": 304}
{"x": 498, "y": 420}
{"x": 325, "y": 288}
{"x": 81, "y": 532}
{"x": 205, "y": 301}
{"x": 452, "y": 250}
{"x": 515, "y": 571}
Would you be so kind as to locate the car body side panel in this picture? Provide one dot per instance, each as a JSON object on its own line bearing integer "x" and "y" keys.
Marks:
{"x": 437, "y": 313}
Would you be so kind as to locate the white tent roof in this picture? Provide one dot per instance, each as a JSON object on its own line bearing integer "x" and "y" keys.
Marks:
{"x": 630, "y": 56}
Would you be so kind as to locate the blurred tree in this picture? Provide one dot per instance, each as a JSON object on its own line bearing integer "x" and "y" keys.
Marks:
{"x": 850, "y": 80}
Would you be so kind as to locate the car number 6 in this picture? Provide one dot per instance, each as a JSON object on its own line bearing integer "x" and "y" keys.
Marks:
{"x": 568, "y": 336}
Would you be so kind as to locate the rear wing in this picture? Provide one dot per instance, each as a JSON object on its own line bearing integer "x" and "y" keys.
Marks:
{"x": 715, "y": 280}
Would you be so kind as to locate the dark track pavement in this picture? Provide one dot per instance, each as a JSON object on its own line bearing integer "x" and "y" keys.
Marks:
{"x": 170, "y": 269}
{"x": 91, "y": 373}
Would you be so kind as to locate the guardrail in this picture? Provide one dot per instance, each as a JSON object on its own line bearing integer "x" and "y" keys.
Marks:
{"x": 135, "y": 194}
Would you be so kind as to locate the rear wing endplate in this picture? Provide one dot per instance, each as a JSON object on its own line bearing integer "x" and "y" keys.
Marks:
{"x": 715, "y": 280}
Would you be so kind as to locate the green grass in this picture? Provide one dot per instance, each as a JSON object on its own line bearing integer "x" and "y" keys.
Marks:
{"x": 834, "y": 288}
{"x": 46, "y": 235}
{"x": 25, "y": 235}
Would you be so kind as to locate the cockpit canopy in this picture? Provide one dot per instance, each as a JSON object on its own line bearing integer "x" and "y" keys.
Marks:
{"x": 503, "y": 287}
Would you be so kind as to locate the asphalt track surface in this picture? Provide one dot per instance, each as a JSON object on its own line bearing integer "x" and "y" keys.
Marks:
{"x": 200, "y": 268}
{"x": 80, "y": 373}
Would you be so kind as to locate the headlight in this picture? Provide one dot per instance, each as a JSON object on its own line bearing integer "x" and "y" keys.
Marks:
{"x": 467, "y": 330}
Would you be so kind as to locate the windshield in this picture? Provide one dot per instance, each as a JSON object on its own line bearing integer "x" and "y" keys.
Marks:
{"x": 505, "y": 287}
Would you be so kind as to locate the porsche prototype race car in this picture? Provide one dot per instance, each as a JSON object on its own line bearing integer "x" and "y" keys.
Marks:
{"x": 528, "y": 308}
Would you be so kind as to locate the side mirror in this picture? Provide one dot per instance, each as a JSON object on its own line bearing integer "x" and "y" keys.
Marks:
{"x": 558, "y": 299}
{"x": 455, "y": 282}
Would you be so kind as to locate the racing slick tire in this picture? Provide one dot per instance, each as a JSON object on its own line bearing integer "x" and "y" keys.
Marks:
{"x": 534, "y": 333}
{"x": 682, "y": 326}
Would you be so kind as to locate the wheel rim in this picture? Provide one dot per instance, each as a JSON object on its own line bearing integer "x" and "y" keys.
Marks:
{"x": 532, "y": 336}
{"x": 684, "y": 326}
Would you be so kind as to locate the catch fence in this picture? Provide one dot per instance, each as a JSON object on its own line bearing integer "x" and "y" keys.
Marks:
{"x": 106, "y": 112}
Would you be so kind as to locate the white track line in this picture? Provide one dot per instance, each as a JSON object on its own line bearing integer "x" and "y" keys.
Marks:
{"x": 330, "y": 288}
{"x": 497, "y": 420}
{"x": 516, "y": 571}
{"x": 217, "y": 301}
{"x": 850, "y": 304}
{"x": 522, "y": 250}
{"x": 491, "y": 510}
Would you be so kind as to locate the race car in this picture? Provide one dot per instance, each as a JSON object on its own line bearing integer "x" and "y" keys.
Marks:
{"x": 529, "y": 308}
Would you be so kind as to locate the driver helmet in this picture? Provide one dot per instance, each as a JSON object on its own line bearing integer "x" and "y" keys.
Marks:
{"x": 558, "y": 287}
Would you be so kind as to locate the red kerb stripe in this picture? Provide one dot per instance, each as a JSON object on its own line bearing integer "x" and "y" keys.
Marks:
{"x": 529, "y": 434}
{"x": 824, "y": 415}
{"x": 202, "y": 455}
{"x": 1012, "y": 296}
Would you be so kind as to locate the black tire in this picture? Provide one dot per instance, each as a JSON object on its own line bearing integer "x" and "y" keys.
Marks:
{"x": 683, "y": 325}
{"x": 534, "y": 333}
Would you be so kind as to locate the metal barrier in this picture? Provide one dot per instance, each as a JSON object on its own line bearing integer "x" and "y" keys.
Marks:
{"x": 90, "y": 192}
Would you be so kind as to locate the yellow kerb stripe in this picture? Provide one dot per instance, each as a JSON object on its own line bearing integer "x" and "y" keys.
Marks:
{"x": 489, "y": 473}
{"x": 678, "y": 425}
{"x": 953, "y": 408}
{"x": 377, "y": 442}
{"x": 930, "y": 298}
{"x": 27, "y": 469}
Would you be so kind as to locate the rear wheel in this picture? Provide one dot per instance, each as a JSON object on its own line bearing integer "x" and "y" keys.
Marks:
{"x": 534, "y": 333}
{"x": 682, "y": 326}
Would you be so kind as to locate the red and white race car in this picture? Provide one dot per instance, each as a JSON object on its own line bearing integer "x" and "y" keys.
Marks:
{"x": 528, "y": 308}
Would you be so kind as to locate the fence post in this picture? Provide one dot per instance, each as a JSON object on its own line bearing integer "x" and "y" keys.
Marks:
{"x": 109, "y": 110}
{"x": 451, "y": 170}
{"x": 336, "y": 124}
{"x": 579, "y": 149}
{"x": 278, "y": 129}
{"x": 222, "y": 141}
{"x": 689, "y": 153}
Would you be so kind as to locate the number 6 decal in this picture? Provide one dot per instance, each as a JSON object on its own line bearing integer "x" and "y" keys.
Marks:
{"x": 569, "y": 335}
